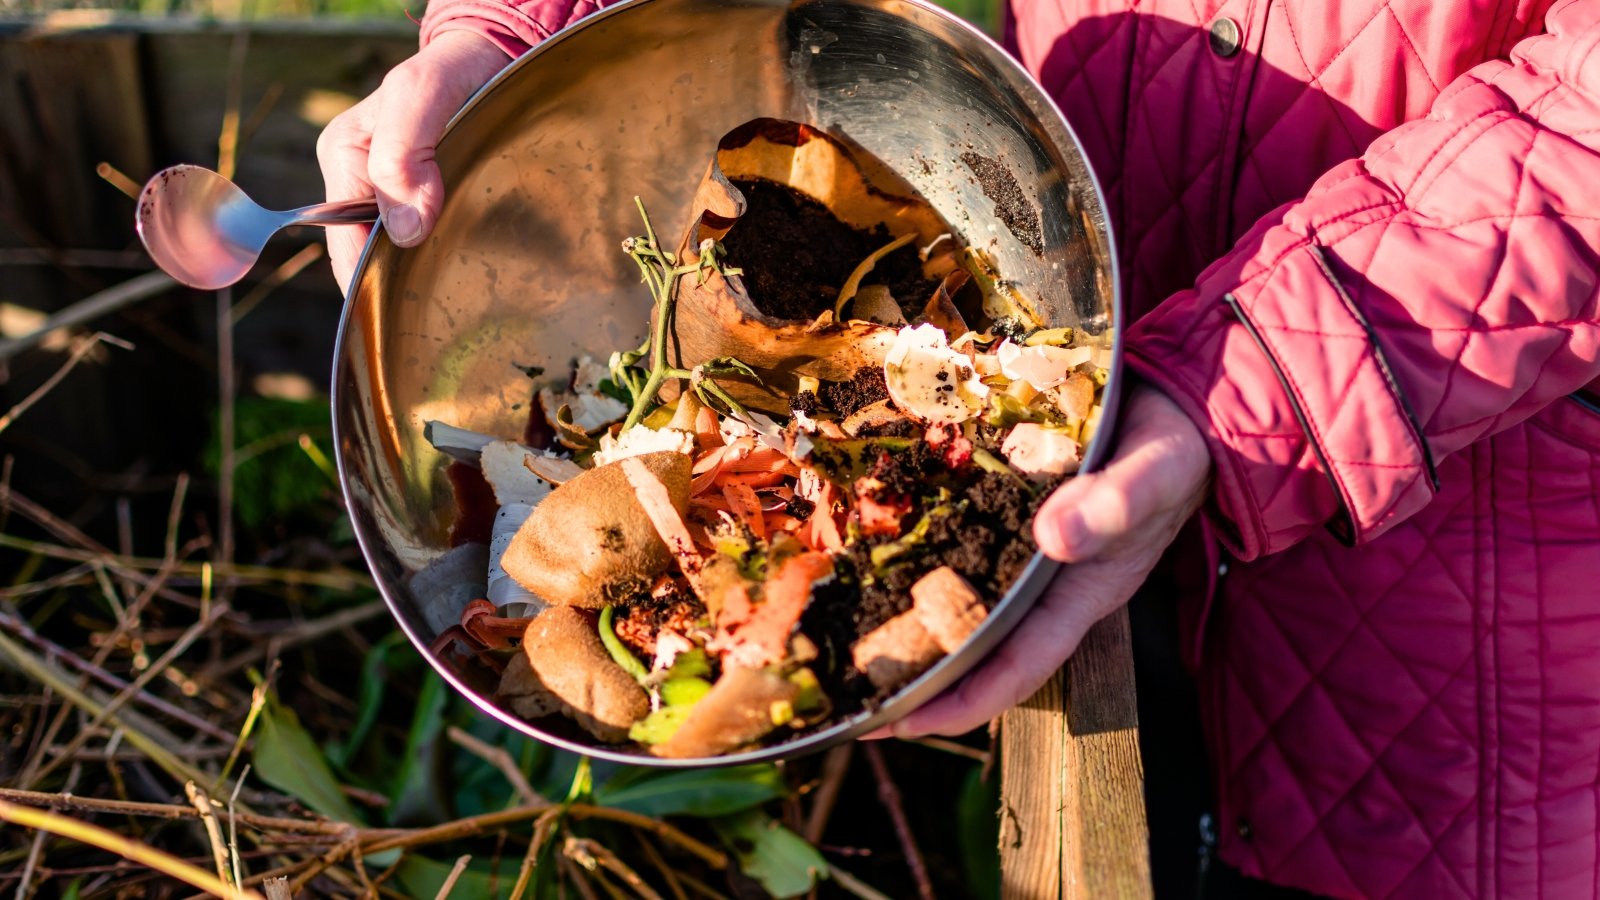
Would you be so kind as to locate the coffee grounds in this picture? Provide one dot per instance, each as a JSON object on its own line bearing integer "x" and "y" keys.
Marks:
{"x": 829, "y": 621}
{"x": 989, "y": 543}
{"x": 1013, "y": 208}
{"x": 896, "y": 428}
{"x": 800, "y": 508}
{"x": 864, "y": 388}
{"x": 796, "y": 254}
{"x": 804, "y": 402}
{"x": 992, "y": 540}
{"x": 909, "y": 472}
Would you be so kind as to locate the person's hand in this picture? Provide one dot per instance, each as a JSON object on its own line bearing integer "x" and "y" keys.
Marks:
{"x": 1110, "y": 527}
{"x": 384, "y": 145}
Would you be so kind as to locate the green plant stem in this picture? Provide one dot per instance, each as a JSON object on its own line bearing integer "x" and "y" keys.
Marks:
{"x": 661, "y": 272}
{"x": 715, "y": 390}
{"x": 619, "y": 653}
{"x": 663, "y": 285}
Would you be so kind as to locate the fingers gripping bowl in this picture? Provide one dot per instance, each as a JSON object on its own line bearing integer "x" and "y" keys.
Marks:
{"x": 523, "y": 269}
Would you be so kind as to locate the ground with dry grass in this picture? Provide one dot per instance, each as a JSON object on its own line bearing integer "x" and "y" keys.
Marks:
{"x": 200, "y": 690}
{"x": 209, "y": 690}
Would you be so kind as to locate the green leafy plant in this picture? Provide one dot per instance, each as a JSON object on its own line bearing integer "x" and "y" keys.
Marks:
{"x": 773, "y": 855}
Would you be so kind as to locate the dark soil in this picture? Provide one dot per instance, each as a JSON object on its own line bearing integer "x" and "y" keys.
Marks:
{"x": 637, "y": 624}
{"x": 989, "y": 541}
{"x": 800, "y": 508}
{"x": 805, "y": 402}
{"x": 796, "y": 254}
{"x": 909, "y": 473}
{"x": 865, "y": 388}
{"x": 829, "y": 620}
{"x": 900, "y": 428}
{"x": 537, "y": 433}
{"x": 992, "y": 540}
{"x": 1010, "y": 204}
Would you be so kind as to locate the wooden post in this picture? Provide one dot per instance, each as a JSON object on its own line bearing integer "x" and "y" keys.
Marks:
{"x": 1072, "y": 822}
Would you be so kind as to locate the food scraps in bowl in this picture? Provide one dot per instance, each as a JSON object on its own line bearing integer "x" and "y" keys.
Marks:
{"x": 810, "y": 483}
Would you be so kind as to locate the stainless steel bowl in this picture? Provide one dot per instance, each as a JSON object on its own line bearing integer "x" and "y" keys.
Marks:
{"x": 524, "y": 265}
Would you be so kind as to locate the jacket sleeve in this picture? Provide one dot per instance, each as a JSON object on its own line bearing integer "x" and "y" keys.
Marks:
{"x": 1433, "y": 292}
{"x": 513, "y": 25}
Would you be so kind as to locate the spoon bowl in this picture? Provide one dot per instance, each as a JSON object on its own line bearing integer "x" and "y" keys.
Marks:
{"x": 204, "y": 231}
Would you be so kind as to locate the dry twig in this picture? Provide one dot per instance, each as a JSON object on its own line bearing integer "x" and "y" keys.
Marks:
{"x": 136, "y": 565}
{"x": 81, "y": 348}
{"x": 501, "y": 760}
{"x": 530, "y": 860}
{"x": 102, "y": 303}
{"x": 58, "y": 682}
{"x": 956, "y": 747}
{"x": 290, "y": 267}
{"x": 834, "y": 767}
{"x": 143, "y": 854}
{"x": 590, "y": 853}
{"x": 118, "y": 179}
{"x": 455, "y": 875}
{"x": 164, "y": 811}
{"x": 122, "y": 697}
{"x": 854, "y": 885}
{"x": 661, "y": 866}
{"x": 219, "y": 850}
{"x": 21, "y": 629}
{"x": 890, "y": 796}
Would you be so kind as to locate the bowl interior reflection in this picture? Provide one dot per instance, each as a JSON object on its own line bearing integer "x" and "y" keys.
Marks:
{"x": 524, "y": 266}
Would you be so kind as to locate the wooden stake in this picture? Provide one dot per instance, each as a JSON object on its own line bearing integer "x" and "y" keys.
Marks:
{"x": 1072, "y": 819}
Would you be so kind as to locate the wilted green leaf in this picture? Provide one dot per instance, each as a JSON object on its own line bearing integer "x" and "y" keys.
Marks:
{"x": 288, "y": 759}
{"x": 691, "y": 792}
{"x": 768, "y": 852}
{"x": 420, "y": 876}
{"x": 374, "y": 677}
{"x": 477, "y": 785}
{"x": 417, "y": 794}
{"x": 978, "y": 832}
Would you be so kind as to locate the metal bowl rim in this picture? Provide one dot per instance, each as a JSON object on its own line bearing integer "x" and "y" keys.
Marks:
{"x": 865, "y": 720}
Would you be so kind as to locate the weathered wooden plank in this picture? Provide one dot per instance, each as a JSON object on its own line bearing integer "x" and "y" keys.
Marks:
{"x": 1072, "y": 817}
{"x": 1032, "y": 766}
{"x": 71, "y": 102}
{"x": 1105, "y": 838}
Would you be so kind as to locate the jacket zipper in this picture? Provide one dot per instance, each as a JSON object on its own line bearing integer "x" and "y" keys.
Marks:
{"x": 1207, "y": 853}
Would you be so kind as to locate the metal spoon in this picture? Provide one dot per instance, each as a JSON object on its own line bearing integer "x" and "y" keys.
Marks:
{"x": 201, "y": 229}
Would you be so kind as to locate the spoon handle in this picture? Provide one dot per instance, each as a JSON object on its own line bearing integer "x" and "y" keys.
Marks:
{"x": 337, "y": 212}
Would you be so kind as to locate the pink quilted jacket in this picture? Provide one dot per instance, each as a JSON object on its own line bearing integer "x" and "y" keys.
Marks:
{"x": 1362, "y": 240}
